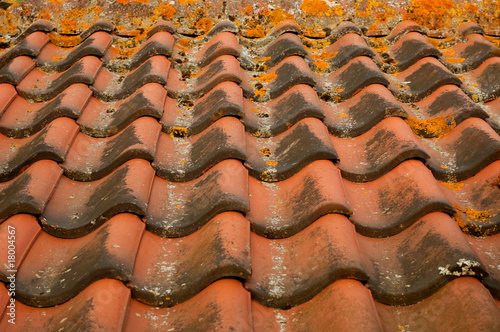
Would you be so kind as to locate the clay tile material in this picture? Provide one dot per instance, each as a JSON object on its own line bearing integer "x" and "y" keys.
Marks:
{"x": 59, "y": 59}
{"x": 171, "y": 271}
{"x": 188, "y": 119}
{"x": 403, "y": 28}
{"x": 345, "y": 49}
{"x": 488, "y": 250}
{"x": 462, "y": 153}
{"x": 288, "y": 272}
{"x": 184, "y": 159}
{"x": 475, "y": 51}
{"x": 24, "y": 118}
{"x": 363, "y": 111}
{"x": 409, "y": 267}
{"x": 411, "y": 48}
{"x": 179, "y": 209}
{"x": 356, "y": 75}
{"x": 53, "y": 143}
{"x": 7, "y": 94}
{"x": 345, "y": 305}
{"x": 100, "y": 306}
{"x": 288, "y": 44}
{"x": 99, "y": 25}
{"x": 30, "y": 191}
{"x": 286, "y": 26}
{"x": 423, "y": 78}
{"x": 280, "y": 157}
{"x": 38, "y": 25}
{"x": 41, "y": 86}
{"x": 220, "y": 27}
{"x": 487, "y": 75}
{"x": 265, "y": 120}
{"x": 282, "y": 209}
{"x": 225, "y": 43}
{"x": 101, "y": 119}
{"x": 16, "y": 70}
{"x": 18, "y": 232}
{"x": 90, "y": 158}
{"x": 455, "y": 307}
{"x": 29, "y": 46}
{"x": 395, "y": 201}
{"x": 493, "y": 110}
{"x": 373, "y": 154}
{"x": 56, "y": 270}
{"x": 113, "y": 87}
{"x": 161, "y": 26}
{"x": 465, "y": 29}
{"x": 477, "y": 201}
{"x": 223, "y": 305}
{"x": 77, "y": 208}
{"x": 161, "y": 43}
{"x": 344, "y": 28}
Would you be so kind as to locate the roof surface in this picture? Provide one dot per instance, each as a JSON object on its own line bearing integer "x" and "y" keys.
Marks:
{"x": 213, "y": 166}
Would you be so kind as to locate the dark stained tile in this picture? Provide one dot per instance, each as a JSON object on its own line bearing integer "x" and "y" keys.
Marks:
{"x": 487, "y": 75}
{"x": 30, "y": 191}
{"x": 286, "y": 45}
{"x": 402, "y": 29}
{"x": 90, "y": 158}
{"x": 77, "y": 208}
{"x": 224, "y": 43}
{"x": 40, "y": 86}
{"x": 179, "y": 209}
{"x": 170, "y": 271}
{"x": 395, "y": 201}
{"x": 52, "y": 143}
{"x": 345, "y": 49}
{"x": 344, "y": 28}
{"x": 99, "y": 25}
{"x": 16, "y": 70}
{"x": 183, "y": 159}
{"x": 488, "y": 250}
{"x": 411, "y": 48}
{"x": 56, "y": 270}
{"x": 280, "y": 157}
{"x": 24, "y": 118}
{"x": 465, "y": 29}
{"x": 475, "y": 51}
{"x": 283, "y": 209}
{"x": 166, "y": 26}
{"x": 38, "y": 25}
{"x": 29, "y": 46}
{"x": 289, "y": 272}
{"x": 7, "y": 94}
{"x": 493, "y": 110}
{"x": 376, "y": 152}
{"x": 224, "y": 305}
{"x": 220, "y": 27}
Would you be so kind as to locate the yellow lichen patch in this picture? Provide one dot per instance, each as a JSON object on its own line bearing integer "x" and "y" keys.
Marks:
{"x": 317, "y": 32}
{"x": 435, "y": 127}
{"x": 453, "y": 186}
{"x": 443, "y": 166}
{"x": 265, "y": 151}
{"x": 64, "y": 41}
{"x": 317, "y": 44}
{"x": 263, "y": 59}
{"x": 378, "y": 10}
{"x": 431, "y": 13}
{"x": 475, "y": 215}
{"x": 271, "y": 162}
{"x": 449, "y": 52}
{"x": 342, "y": 115}
{"x": 277, "y": 16}
{"x": 164, "y": 11}
{"x": 260, "y": 93}
{"x": 57, "y": 58}
{"x": 182, "y": 162}
{"x": 7, "y": 25}
{"x": 321, "y": 65}
{"x": 401, "y": 86}
{"x": 338, "y": 90}
{"x": 455, "y": 60}
{"x": 178, "y": 132}
{"x": 187, "y": 2}
{"x": 204, "y": 24}
{"x": 324, "y": 55}
{"x": 258, "y": 32}
{"x": 265, "y": 78}
{"x": 316, "y": 8}
{"x": 56, "y": 2}
{"x": 268, "y": 177}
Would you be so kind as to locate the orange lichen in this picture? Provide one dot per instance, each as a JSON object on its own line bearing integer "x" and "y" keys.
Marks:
{"x": 56, "y": 2}
{"x": 260, "y": 93}
{"x": 182, "y": 162}
{"x": 164, "y": 11}
{"x": 455, "y": 60}
{"x": 187, "y": 2}
{"x": 277, "y": 16}
{"x": 321, "y": 65}
{"x": 431, "y": 13}
{"x": 443, "y": 166}
{"x": 475, "y": 215}
{"x": 204, "y": 24}
{"x": 338, "y": 90}
{"x": 265, "y": 151}
{"x": 342, "y": 115}
{"x": 316, "y": 8}
{"x": 265, "y": 78}
{"x": 263, "y": 59}
{"x": 453, "y": 186}
{"x": 378, "y": 10}
{"x": 64, "y": 41}
{"x": 435, "y": 127}
{"x": 259, "y": 32}
{"x": 324, "y": 55}
{"x": 178, "y": 132}
{"x": 57, "y": 58}
{"x": 271, "y": 162}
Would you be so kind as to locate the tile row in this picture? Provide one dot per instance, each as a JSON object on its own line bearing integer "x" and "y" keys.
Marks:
{"x": 164, "y": 272}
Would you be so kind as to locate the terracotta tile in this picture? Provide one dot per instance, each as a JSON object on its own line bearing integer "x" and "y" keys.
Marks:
{"x": 184, "y": 159}
{"x": 344, "y": 28}
{"x": 288, "y": 272}
{"x": 16, "y": 70}
{"x": 286, "y": 45}
{"x": 166, "y": 26}
{"x": 345, "y": 305}
{"x": 90, "y": 158}
{"x": 113, "y": 87}
{"x": 475, "y": 51}
{"x": 462, "y": 305}
{"x": 411, "y": 266}
{"x": 24, "y": 118}
{"x": 265, "y": 120}
{"x": 355, "y": 75}
{"x": 493, "y": 110}
{"x": 345, "y": 49}
{"x": 363, "y": 111}
{"x": 171, "y": 271}
{"x": 462, "y": 153}
{"x": 28, "y": 46}
{"x": 30, "y": 191}
{"x": 78, "y": 208}
{"x": 5, "y": 298}
{"x": 423, "y": 78}
{"x": 220, "y": 27}
{"x": 488, "y": 250}
{"x": 53, "y": 143}
{"x": 280, "y": 157}
{"x": 101, "y": 119}
{"x": 465, "y": 29}
{"x": 188, "y": 119}
{"x": 486, "y": 76}
{"x": 41, "y": 86}
{"x": 395, "y": 201}
{"x": 56, "y": 270}
{"x": 283, "y": 209}
{"x": 7, "y": 94}
{"x": 18, "y": 234}
{"x": 160, "y": 43}
{"x": 411, "y": 48}
{"x": 223, "y": 305}
{"x": 373, "y": 154}
{"x": 477, "y": 201}
{"x": 179, "y": 209}
{"x": 225, "y": 43}
{"x": 100, "y": 307}
{"x": 99, "y": 25}
{"x": 38, "y": 25}
{"x": 402, "y": 29}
